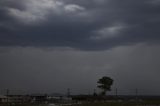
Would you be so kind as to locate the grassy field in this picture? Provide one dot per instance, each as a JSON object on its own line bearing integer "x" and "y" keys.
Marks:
{"x": 142, "y": 103}
{"x": 113, "y": 103}
{"x": 23, "y": 105}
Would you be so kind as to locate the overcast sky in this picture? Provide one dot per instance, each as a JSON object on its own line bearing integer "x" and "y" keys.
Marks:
{"x": 51, "y": 45}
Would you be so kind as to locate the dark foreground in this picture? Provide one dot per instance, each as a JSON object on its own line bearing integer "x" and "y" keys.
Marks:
{"x": 97, "y": 103}
{"x": 147, "y": 103}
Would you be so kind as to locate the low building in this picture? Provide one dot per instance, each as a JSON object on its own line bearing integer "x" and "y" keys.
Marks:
{"x": 3, "y": 99}
{"x": 19, "y": 98}
{"x": 38, "y": 98}
{"x": 59, "y": 99}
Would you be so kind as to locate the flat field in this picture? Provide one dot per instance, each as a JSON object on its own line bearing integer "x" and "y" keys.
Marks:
{"x": 142, "y": 103}
{"x": 113, "y": 103}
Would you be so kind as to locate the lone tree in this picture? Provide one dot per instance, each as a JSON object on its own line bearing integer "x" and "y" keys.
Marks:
{"x": 105, "y": 84}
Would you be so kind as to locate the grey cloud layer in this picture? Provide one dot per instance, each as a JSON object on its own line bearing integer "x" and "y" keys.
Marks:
{"x": 81, "y": 24}
{"x": 38, "y": 70}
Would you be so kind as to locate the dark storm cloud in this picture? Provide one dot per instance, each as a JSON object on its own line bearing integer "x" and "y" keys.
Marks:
{"x": 78, "y": 24}
{"x": 40, "y": 42}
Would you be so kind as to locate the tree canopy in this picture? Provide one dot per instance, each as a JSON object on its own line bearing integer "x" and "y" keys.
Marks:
{"x": 105, "y": 84}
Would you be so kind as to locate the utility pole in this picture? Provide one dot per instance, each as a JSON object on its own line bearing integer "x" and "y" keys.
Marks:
{"x": 116, "y": 93}
{"x": 7, "y": 94}
{"x": 94, "y": 92}
{"x": 68, "y": 92}
{"x": 136, "y": 94}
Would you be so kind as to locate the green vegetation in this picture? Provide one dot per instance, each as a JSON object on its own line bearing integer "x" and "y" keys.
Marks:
{"x": 103, "y": 103}
{"x": 144, "y": 103}
{"x": 23, "y": 105}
